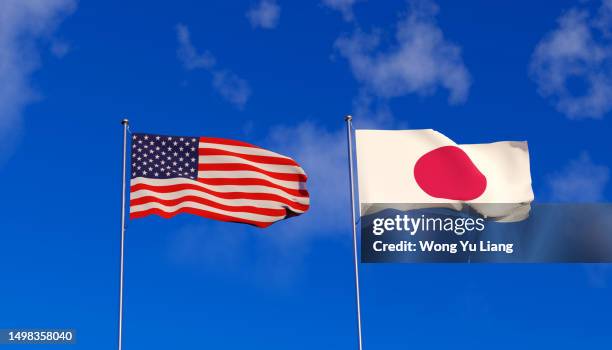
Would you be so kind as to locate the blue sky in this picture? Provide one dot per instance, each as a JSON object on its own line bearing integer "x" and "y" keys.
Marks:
{"x": 282, "y": 74}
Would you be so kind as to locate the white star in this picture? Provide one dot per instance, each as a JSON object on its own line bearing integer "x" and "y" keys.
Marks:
{"x": 146, "y": 137}
{"x": 192, "y": 140}
{"x": 181, "y": 139}
{"x": 156, "y": 174}
{"x": 157, "y": 137}
{"x": 181, "y": 159}
{"x": 144, "y": 172}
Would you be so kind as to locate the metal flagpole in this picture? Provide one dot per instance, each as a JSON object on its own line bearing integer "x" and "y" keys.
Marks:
{"x": 125, "y": 124}
{"x": 349, "y": 127}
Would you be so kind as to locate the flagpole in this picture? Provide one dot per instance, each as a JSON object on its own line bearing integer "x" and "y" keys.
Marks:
{"x": 348, "y": 120}
{"x": 125, "y": 124}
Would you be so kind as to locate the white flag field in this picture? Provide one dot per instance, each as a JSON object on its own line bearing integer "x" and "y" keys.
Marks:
{"x": 411, "y": 169}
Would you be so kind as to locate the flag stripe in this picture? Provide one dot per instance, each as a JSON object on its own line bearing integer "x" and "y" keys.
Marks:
{"x": 237, "y": 167}
{"x": 213, "y": 204}
{"x": 138, "y": 182}
{"x": 294, "y": 185}
{"x": 238, "y": 215}
{"x": 253, "y": 158}
{"x": 242, "y": 150}
{"x": 221, "y": 141}
{"x": 136, "y": 197}
{"x": 289, "y": 169}
{"x": 252, "y": 182}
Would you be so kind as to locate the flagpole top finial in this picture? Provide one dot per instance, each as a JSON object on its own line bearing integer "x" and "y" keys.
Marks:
{"x": 125, "y": 122}
{"x": 348, "y": 117}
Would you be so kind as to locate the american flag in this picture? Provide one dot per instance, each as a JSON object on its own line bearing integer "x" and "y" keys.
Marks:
{"x": 215, "y": 178}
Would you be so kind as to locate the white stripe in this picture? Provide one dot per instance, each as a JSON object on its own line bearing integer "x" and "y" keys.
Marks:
{"x": 243, "y": 150}
{"x": 259, "y": 203}
{"x": 174, "y": 208}
{"x": 238, "y": 174}
{"x": 221, "y": 188}
{"x": 287, "y": 169}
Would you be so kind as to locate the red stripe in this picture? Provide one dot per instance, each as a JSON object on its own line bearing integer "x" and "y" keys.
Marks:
{"x": 225, "y": 195}
{"x": 248, "y": 167}
{"x": 252, "y": 182}
{"x": 251, "y": 157}
{"x": 227, "y": 142}
{"x": 199, "y": 212}
{"x": 200, "y": 200}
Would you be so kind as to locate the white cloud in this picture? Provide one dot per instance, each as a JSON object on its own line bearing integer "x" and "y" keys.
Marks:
{"x": 188, "y": 54}
{"x": 264, "y": 15}
{"x": 580, "y": 181}
{"x": 23, "y": 23}
{"x": 229, "y": 85}
{"x": 344, "y": 6}
{"x": 233, "y": 88}
{"x": 572, "y": 64}
{"x": 420, "y": 60}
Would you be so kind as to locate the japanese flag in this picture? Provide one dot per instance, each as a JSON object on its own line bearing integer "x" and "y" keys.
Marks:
{"x": 407, "y": 169}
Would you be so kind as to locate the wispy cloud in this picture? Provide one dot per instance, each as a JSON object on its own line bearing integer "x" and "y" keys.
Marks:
{"x": 188, "y": 54}
{"x": 580, "y": 181}
{"x": 420, "y": 61}
{"x": 265, "y": 14}
{"x": 22, "y": 24}
{"x": 229, "y": 85}
{"x": 344, "y": 6}
{"x": 572, "y": 64}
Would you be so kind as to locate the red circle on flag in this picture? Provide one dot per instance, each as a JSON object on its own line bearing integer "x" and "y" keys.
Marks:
{"x": 448, "y": 172}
